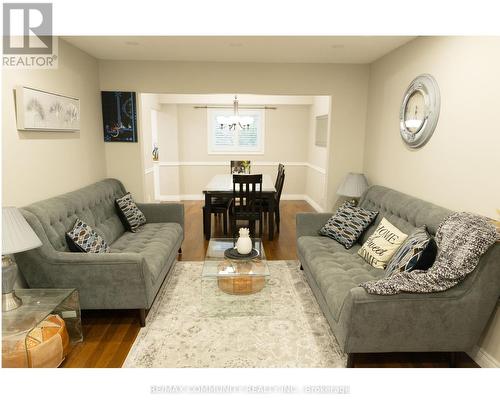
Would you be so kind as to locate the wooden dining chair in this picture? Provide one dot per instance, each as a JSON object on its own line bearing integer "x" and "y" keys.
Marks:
{"x": 247, "y": 202}
{"x": 218, "y": 206}
{"x": 280, "y": 181}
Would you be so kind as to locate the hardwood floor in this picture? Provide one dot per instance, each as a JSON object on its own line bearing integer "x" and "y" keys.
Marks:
{"x": 109, "y": 335}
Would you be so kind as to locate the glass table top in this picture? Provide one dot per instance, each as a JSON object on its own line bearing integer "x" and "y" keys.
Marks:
{"x": 37, "y": 305}
{"x": 216, "y": 265}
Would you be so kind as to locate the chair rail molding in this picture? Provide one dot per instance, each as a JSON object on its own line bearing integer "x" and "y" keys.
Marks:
{"x": 254, "y": 163}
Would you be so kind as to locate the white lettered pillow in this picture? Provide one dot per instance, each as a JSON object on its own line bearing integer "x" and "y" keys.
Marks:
{"x": 382, "y": 244}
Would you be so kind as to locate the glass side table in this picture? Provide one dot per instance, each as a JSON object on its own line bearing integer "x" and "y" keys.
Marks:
{"x": 38, "y": 304}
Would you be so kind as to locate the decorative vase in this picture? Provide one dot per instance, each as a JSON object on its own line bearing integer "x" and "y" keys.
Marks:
{"x": 244, "y": 243}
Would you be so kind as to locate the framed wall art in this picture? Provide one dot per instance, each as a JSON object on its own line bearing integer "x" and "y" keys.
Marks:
{"x": 119, "y": 115}
{"x": 38, "y": 110}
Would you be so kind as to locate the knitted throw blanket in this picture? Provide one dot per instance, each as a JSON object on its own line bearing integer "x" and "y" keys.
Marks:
{"x": 462, "y": 238}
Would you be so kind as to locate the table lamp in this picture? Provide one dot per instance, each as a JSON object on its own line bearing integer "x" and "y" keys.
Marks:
{"x": 17, "y": 236}
{"x": 353, "y": 186}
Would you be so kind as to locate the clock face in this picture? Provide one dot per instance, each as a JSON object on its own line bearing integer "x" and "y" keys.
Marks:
{"x": 419, "y": 111}
{"x": 414, "y": 114}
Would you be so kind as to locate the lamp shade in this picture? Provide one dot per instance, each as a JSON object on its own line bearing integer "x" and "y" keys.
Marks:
{"x": 17, "y": 235}
{"x": 353, "y": 186}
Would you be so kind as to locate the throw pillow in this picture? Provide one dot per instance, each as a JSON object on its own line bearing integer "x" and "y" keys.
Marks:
{"x": 82, "y": 238}
{"x": 131, "y": 214}
{"x": 428, "y": 256}
{"x": 410, "y": 252}
{"x": 347, "y": 224}
{"x": 382, "y": 244}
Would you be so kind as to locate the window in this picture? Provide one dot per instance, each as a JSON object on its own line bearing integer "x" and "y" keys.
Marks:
{"x": 225, "y": 141}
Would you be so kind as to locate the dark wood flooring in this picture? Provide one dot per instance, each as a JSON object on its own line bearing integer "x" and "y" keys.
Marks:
{"x": 109, "y": 335}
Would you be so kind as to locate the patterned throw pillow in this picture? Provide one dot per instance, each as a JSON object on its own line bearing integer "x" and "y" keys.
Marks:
{"x": 407, "y": 256}
{"x": 382, "y": 244}
{"x": 82, "y": 238}
{"x": 347, "y": 224}
{"x": 131, "y": 214}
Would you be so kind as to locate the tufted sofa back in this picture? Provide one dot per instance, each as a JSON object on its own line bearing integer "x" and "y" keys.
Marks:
{"x": 94, "y": 204}
{"x": 403, "y": 211}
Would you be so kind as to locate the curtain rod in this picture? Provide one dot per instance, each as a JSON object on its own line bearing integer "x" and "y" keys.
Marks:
{"x": 240, "y": 106}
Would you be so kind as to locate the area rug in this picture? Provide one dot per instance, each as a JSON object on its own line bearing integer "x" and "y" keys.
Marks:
{"x": 180, "y": 333}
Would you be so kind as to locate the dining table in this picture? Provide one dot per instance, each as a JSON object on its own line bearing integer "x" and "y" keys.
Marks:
{"x": 221, "y": 186}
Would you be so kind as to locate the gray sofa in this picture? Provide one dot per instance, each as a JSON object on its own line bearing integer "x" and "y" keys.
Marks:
{"x": 127, "y": 278}
{"x": 450, "y": 321}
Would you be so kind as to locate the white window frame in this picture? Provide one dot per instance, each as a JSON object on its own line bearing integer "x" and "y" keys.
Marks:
{"x": 232, "y": 150}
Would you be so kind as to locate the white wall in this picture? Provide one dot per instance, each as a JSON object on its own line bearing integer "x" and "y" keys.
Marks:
{"x": 459, "y": 167}
{"x": 346, "y": 84}
{"x": 39, "y": 165}
{"x": 128, "y": 161}
{"x": 148, "y": 104}
{"x": 317, "y": 156}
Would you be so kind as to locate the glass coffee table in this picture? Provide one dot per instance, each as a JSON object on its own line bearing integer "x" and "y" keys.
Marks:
{"x": 235, "y": 287}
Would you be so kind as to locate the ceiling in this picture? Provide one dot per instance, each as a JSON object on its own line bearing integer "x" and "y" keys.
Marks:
{"x": 286, "y": 49}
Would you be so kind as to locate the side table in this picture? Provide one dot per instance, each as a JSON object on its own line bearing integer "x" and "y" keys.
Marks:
{"x": 37, "y": 305}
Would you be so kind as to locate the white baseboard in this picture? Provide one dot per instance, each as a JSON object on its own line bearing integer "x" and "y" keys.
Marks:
{"x": 313, "y": 203}
{"x": 483, "y": 358}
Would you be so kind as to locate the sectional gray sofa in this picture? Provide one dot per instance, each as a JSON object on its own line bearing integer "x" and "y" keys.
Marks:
{"x": 450, "y": 321}
{"x": 127, "y": 278}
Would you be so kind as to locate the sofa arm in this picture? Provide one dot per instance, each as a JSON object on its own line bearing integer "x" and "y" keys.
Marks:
{"x": 411, "y": 322}
{"x": 163, "y": 212}
{"x": 309, "y": 224}
{"x": 110, "y": 280}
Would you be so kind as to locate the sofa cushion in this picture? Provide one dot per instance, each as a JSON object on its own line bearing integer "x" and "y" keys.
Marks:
{"x": 347, "y": 224}
{"x": 382, "y": 244}
{"x": 82, "y": 238}
{"x": 95, "y": 204}
{"x": 335, "y": 269}
{"x": 155, "y": 241}
{"x": 130, "y": 213}
{"x": 408, "y": 255}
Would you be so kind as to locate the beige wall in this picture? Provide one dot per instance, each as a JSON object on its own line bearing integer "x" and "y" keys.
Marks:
{"x": 459, "y": 167}
{"x": 128, "y": 161}
{"x": 315, "y": 187}
{"x": 39, "y": 165}
{"x": 346, "y": 84}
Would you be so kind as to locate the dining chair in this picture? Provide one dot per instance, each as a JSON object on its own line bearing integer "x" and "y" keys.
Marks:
{"x": 280, "y": 181}
{"x": 217, "y": 206}
{"x": 247, "y": 202}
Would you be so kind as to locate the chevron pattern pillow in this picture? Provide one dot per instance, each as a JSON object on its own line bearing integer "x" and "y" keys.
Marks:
{"x": 82, "y": 238}
{"x": 410, "y": 253}
{"x": 131, "y": 214}
{"x": 347, "y": 224}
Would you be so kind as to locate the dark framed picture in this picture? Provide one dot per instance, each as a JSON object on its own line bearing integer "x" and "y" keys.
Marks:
{"x": 119, "y": 116}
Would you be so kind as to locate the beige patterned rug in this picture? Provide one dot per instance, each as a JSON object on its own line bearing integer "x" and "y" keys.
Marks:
{"x": 191, "y": 326}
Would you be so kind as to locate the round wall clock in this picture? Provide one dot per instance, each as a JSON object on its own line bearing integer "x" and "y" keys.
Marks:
{"x": 419, "y": 111}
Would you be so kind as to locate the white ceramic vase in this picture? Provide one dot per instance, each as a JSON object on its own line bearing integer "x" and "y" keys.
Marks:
{"x": 244, "y": 243}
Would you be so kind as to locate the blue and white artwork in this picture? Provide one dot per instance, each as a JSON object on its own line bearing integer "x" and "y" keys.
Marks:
{"x": 119, "y": 115}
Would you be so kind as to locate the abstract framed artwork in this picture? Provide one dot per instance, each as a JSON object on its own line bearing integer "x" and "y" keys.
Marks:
{"x": 119, "y": 115}
{"x": 38, "y": 110}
